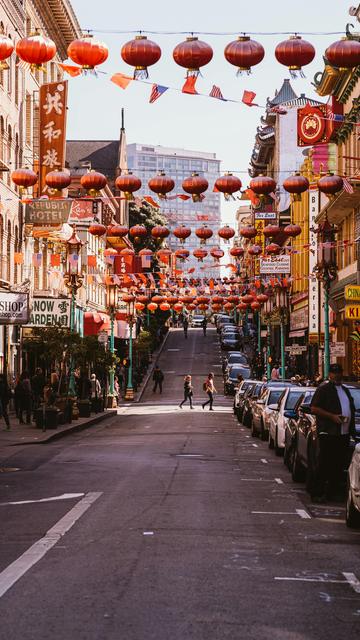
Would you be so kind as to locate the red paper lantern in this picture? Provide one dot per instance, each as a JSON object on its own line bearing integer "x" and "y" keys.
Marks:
{"x": 87, "y": 52}
{"x": 178, "y": 307}
{"x": 233, "y": 299}
{"x": 344, "y": 54}
{"x": 141, "y": 53}
{"x": 97, "y": 229}
{"x": 330, "y": 184}
{"x": 254, "y": 250}
{"x": 202, "y": 300}
{"x": 157, "y": 299}
{"x": 139, "y": 306}
{"x": 138, "y": 231}
{"x": 127, "y": 297}
{"x": 93, "y": 182}
{"x": 200, "y": 254}
{"x": 296, "y": 185}
{"x": 192, "y": 54}
{"x": 165, "y": 306}
{"x": 272, "y": 249}
{"x": 217, "y": 300}
{"x": 262, "y": 185}
{"x": 159, "y": 232}
{"x": 58, "y": 180}
{"x": 108, "y": 253}
{"x": 163, "y": 255}
{"x": 242, "y": 306}
{"x": 271, "y": 230}
{"x": 216, "y": 253}
{"x": 255, "y": 305}
{"x": 244, "y": 53}
{"x": 24, "y": 178}
{"x": 182, "y": 233}
{"x": 128, "y": 184}
{"x": 228, "y": 184}
{"x": 195, "y": 185}
{"x": 152, "y": 306}
{"x": 226, "y": 233}
{"x": 35, "y": 49}
{"x": 142, "y": 298}
{"x": 117, "y": 231}
{"x": 182, "y": 254}
{"x": 204, "y": 233}
{"x": 161, "y": 184}
{"x": 248, "y": 298}
{"x": 237, "y": 252}
{"x": 295, "y": 53}
{"x": 126, "y": 252}
{"x": 187, "y": 299}
{"x": 248, "y": 232}
{"x": 262, "y": 297}
{"x": 6, "y": 49}
{"x": 292, "y": 230}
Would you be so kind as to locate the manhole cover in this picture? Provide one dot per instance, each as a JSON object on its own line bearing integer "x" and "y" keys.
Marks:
{"x": 8, "y": 469}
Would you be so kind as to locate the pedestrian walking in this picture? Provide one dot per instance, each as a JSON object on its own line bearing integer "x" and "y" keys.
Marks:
{"x": 188, "y": 392}
{"x": 334, "y": 408}
{"x": 275, "y": 372}
{"x": 37, "y": 386}
{"x": 5, "y": 394}
{"x": 185, "y": 327}
{"x": 158, "y": 378}
{"x": 204, "y": 325}
{"x": 95, "y": 393}
{"x": 209, "y": 388}
{"x": 24, "y": 397}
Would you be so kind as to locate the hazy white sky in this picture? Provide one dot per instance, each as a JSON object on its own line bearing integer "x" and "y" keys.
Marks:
{"x": 195, "y": 122}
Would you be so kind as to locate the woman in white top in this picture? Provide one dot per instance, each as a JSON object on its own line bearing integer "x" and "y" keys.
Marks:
{"x": 209, "y": 387}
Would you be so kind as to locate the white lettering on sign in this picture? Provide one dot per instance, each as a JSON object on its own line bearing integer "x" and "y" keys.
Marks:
{"x": 313, "y": 282}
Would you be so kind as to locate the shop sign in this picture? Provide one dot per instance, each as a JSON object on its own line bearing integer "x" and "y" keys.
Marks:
{"x": 275, "y": 264}
{"x": 50, "y": 312}
{"x": 299, "y": 319}
{"x": 313, "y": 282}
{"x": 52, "y": 129}
{"x": 337, "y": 349}
{"x": 298, "y": 347}
{"x": 311, "y": 125}
{"x": 14, "y": 308}
{"x": 352, "y": 312}
{"x": 352, "y": 292}
{"x": 265, "y": 215}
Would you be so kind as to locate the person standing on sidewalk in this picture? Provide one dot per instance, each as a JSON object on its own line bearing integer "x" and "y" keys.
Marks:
{"x": 24, "y": 394}
{"x": 4, "y": 400}
{"x": 209, "y": 387}
{"x": 185, "y": 326}
{"x": 95, "y": 394}
{"x": 334, "y": 408}
{"x": 158, "y": 378}
{"x": 188, "y": 392}
{"x": 204, "y": 325}
{"x": 37, "y": 385}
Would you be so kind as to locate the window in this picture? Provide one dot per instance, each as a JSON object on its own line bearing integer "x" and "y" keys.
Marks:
{"x": 17, "y": 79}
{"x": 28, "y": 119}
{"x": 8, "y": 252}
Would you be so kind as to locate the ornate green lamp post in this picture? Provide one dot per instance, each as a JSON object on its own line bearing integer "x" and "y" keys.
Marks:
{"x": 111, "y": 303}
{"x": 130, "y": 302}
{"x": 326, "y": 271}
{"x": 73, "y": 280}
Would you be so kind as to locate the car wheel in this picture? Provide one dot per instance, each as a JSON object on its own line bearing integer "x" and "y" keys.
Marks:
{"x": 297, "y": 471}
{"x": 352, "y": 514}
{"x": 278, "y": 450}
{"x": 254, "y": 433}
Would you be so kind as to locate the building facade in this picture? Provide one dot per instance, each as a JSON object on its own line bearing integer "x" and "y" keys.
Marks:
{"x": 147, "y": 160}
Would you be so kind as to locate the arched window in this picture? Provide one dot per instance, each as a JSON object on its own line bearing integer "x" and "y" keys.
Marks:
{"x": 17, "y": 152}
{"x": 2, "y": 139}
{"x": 1, "y": 246}
{"x": 8, "y": 252}
{"x": 9, "y": 145}
{"x": 17, "y": 267}
{"x": 17, "y": 82}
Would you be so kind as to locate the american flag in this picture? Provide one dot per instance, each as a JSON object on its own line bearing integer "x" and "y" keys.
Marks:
{"x": 337, "y": 117}
{"x": 216, "y": 93}
{"x": 146, "y": 262}
{"x": 36, "y": 260}
{"x": 156, "y": 92}
{"x": 347, "y": 186}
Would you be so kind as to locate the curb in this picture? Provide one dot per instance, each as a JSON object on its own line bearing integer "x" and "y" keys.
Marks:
{"x": 72, "y": 429}
{"x": 148, "y": 375}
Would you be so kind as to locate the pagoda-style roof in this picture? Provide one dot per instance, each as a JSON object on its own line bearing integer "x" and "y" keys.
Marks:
{"x": 284, "y": 95}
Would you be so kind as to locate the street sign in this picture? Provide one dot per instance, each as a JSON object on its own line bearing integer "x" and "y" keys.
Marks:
{"x": 275, "y": 264}
{"x": 352, "y": 312}
{"x": 352, "y": 292}
{"x": 103, "y": 337}
{"x": 265, "y": 215}
{"x": 337, "y": 349}
{"x": 296, "y": 347}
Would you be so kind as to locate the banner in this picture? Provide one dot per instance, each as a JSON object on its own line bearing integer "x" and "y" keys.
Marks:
{"x": 314, "y": 202}
{"x": 52, "y": 130}
{"x": 43, "y": 212}
{"x": 14, "y": 308}
{"x": 312, "y": 125}
{"x": 50, "y": 312}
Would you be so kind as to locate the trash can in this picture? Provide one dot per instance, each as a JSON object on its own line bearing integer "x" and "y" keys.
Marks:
{"x": 84, "y": 407}
{"x": 51, "y": 417}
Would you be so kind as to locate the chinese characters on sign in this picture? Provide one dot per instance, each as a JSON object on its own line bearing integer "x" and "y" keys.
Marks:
{"x": 313, "y": 282}
{"x": 53, "y": 100}
{"x": 50, "y": 312}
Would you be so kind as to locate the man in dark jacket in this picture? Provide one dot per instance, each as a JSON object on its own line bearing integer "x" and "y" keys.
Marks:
{"x": 334, "y": 408}
{"x": 158, "y": 378}
{"x": 4, "y": 400}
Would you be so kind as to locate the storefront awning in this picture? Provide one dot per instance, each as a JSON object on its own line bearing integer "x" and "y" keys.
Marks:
{"x": 95, "y": 322}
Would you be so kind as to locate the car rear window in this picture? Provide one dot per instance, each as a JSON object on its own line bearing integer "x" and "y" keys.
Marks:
{"x": 356, "y": 395}
{"x": 274, "y": 395}
{"x": 292, "y": 399}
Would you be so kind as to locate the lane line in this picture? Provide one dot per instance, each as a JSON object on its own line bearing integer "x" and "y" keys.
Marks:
{"x": 264, "y": 461}
{"x": 299, "y": 512}
{"x": 31, "y": 556}
{"x": 352, "y": 580}
{"x": 279, "y": 481}
{"x": 64, "y": 496}
{"x": 310, "y": 580}
{"x": 303, "y": 514}
{"x": 255, "y": 445}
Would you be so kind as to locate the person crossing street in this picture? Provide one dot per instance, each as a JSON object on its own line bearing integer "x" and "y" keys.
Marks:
{"x": 204, "y": 325}
{"x": 209, "y": 388}
{"x": 185, "y": 327}
{"x": 188, "y": 392}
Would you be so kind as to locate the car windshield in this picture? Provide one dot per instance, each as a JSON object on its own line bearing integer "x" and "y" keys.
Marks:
{"x": 238, "y": 358}
{"x": 274, "y": 396}
{"x": 292, "y": 399}
{"x": 239, "y": 371}
{"x": 356, "y": 395}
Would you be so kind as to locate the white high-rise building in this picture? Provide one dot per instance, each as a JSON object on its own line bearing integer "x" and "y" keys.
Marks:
{"x": 147, "y": 160}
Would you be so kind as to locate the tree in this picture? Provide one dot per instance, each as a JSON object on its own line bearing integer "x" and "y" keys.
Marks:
{"x": 150, "y": 217}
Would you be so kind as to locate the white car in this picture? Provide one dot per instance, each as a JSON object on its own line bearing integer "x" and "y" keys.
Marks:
{"x": 197, "y": 321}
{"x": 262, "y": 410}
{"x": 278, "y": 419}
{"x": 353, "y": 497}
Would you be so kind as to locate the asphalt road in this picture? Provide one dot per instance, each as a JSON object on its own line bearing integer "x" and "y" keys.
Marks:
{"x": 175, "y": 524}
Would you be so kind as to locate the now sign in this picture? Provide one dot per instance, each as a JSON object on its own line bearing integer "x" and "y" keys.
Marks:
{"x": 50, "y": 312}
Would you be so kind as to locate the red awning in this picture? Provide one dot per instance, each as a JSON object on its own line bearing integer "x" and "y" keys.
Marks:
{"x": 95, "y": 322}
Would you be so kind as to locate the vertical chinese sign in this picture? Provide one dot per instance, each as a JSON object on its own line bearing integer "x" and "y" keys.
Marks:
{"x": 53, "y": 103}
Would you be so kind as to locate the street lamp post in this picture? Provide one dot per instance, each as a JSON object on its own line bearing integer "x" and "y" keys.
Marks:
{"x": 130, "y": 301}
{"x": 268, "y": 310}
{"x": 326, "y": 270}
{"x": 73, "y": 280}
{"x": 281, "y": 304}
{"x": 111, "y": 305}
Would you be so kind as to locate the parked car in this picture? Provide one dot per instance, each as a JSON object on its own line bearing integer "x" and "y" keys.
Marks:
{"x": 251, "y": 396}
{"x": 230, "y": 342}
{"x": 262, "y": 410}
{"x": 284, "y": 412}
{"x": 235, "y": 357}
{"x": 291, "y": 426}
{"x": 231, "y": 378}
{"x": 239, "y": 394}
{"x": 197, "y": 320}
{"x": 353, "y": 490}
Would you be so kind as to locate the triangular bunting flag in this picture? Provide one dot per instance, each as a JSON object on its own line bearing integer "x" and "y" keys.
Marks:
{"x": 121, "y": 80}
{"x": 216, "y": 93}
{"x": 156, "y": 92}
{"x": 248, "y": 98}
{"x": 189, "y": 85}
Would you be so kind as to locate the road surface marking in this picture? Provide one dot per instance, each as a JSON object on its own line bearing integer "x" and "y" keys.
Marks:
{"x": 299, "y": 512}
{"x": 310, "y": 580}
{"x": 303, "y": 514}
{"x": 279, "y": 481}
{"x": 64, "y": 496}
{"x": 148, "y": 533}
{"x": 189, "y": 455}
{"x": 31, "y": 556}
{"x": 264, "y": 461}
{"x": 255, "y": 445}
{"x": 352, "y": 580}
{"x": 173, "y": 349}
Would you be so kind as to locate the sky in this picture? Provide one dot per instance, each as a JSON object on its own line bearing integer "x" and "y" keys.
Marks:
{"x": 195, "y": 122}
